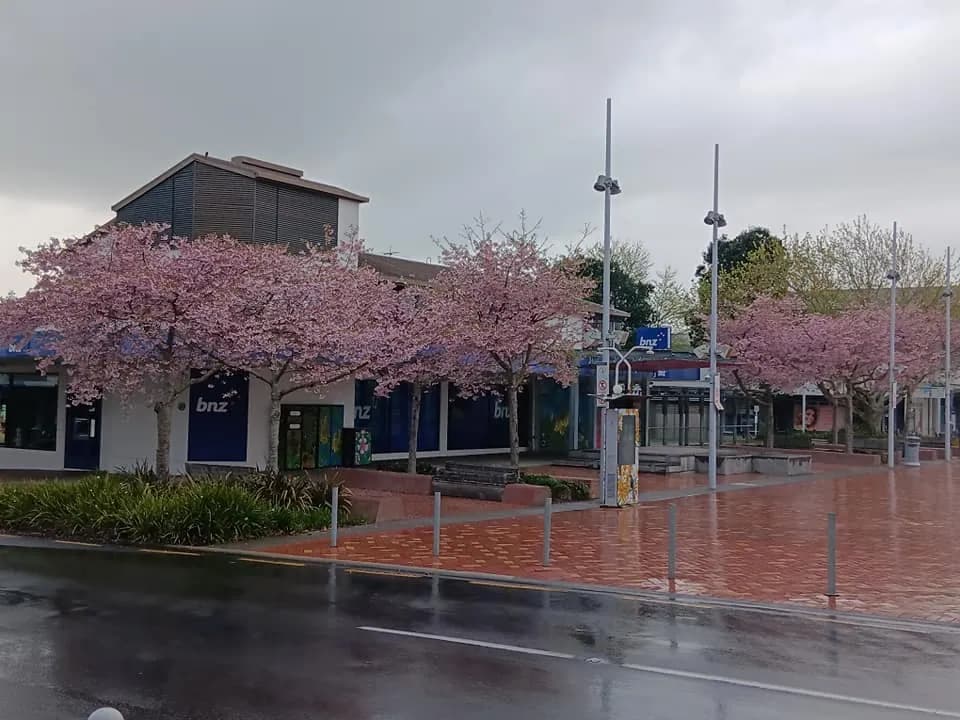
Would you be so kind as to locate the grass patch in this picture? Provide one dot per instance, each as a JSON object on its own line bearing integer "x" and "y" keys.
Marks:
{"x": 124, "y": 510}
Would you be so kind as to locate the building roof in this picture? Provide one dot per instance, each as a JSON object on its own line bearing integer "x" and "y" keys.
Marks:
{"x": 248, "y": 167}
{"x": 401, "y": 270}
{"x": 415, "y": 272}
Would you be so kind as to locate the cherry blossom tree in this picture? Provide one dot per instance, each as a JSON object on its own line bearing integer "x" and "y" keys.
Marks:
{"x": 303, "y": 321}
{"x": 518, "y": 313}
{"x": 120, "y": 311}
{"x": 425, "y": 360}
{"x": 779, "y": 346}
{"x": 850, "y": 356}
{"x": 763, "y": 345}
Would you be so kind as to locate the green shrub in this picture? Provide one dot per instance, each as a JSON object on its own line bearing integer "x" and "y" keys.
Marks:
{"x": 124, "y": 510}
{"x": 560, "y": 490}
{"x": 141, "y": 471}
{"x": 297, "y": 492}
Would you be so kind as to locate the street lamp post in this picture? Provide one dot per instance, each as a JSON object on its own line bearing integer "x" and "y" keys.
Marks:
{"x": 608, "y": 186}
{"x": 716, "y": 220}
{"x": 947, "y": 385}
{"x": 893, "y": 276}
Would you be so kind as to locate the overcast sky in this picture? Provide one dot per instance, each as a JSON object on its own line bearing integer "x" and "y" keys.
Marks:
{"x": 441, "y": 109}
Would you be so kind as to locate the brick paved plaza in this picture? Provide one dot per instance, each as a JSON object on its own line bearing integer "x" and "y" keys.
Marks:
{"x": 896, "y": 542}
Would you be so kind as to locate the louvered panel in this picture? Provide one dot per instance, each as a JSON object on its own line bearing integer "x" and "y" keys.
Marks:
{"x": 302, "y": 216}
{"x": 223, "y": 203}
{"x": 155, "y": 205}
{"x": 265, "y": 226}
{"x": 182, "y": 217}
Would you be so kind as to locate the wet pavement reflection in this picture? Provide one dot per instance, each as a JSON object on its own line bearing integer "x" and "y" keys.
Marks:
{"x": 181, "y": 638}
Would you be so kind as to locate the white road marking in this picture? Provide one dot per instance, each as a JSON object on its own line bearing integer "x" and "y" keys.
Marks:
{"x": 682, "y": 674}
{"x": 472, "y": 643}
{"x": 788, "y": 690}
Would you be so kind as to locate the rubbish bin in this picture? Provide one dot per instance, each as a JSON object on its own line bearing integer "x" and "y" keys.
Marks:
{"x": 911, "y": 451}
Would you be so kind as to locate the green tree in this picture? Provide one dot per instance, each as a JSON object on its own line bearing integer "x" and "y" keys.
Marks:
{"x": 627, "y": 292}
{"x": 733, "y": 253}
{"x": 748, "y": 266}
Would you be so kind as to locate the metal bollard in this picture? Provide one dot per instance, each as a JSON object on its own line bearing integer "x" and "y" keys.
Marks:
{"x": 105, "y": 713}
{"x": 334, "y": 516}
{"x": 436, "y": 524}
{"x": 547, "y": 522}
{"x": 831, "y": 555}
{"x": 672, "y": 543}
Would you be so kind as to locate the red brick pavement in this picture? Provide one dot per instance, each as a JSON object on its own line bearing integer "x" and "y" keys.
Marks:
{"x": 421, "y": 506}
{"x": 896, "y": 544}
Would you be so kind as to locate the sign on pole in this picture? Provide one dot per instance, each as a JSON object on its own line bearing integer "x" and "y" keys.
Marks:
{"x": 603, "y": 381}
{"x": 652, "y": 338}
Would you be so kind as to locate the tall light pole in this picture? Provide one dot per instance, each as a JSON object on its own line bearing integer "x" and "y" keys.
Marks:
{"x": 893, "y": 276}
{"x": 947, "y": 385}
{"x": 608, "y": 186}
{"x": 716, "y": 221}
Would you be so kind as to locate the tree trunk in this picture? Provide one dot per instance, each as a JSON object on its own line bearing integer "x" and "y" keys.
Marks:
{"x": 514, "y": 426}
{"x": 413, "y": 432}
{"x": 771, "y": 432}
{"x": 835, "y": 428}
{"x": 909, "y": 427}
{"x": 162, "y": 461}
{"x": 850, "y": 422}
{"x": 273, "y": 442}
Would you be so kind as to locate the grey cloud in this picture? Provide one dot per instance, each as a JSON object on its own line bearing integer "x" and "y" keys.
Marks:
{"x": 441, "y": 109}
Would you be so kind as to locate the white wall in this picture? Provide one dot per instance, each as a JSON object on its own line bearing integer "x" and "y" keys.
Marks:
{"x": 348, "y": 219}
{"x": 21, "y": 459}
{"x": 129, "y": 430}
{"x": 129, "y": 434}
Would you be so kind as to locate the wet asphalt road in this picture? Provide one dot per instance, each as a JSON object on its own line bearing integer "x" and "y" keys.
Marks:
{"x": 175, "y": 637}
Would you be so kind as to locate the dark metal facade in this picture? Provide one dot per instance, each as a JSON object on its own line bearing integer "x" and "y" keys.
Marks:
{"x": 201, "y": 199}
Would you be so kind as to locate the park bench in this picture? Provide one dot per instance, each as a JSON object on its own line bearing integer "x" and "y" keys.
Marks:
{"x": 485, "y": 482}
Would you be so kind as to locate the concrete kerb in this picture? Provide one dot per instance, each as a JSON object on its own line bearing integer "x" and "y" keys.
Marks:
{"x": 664, "y": 598}
{"x": 847, "y": 617}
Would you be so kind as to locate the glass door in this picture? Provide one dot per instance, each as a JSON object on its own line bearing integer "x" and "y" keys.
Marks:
{"x": 311, "y": 436}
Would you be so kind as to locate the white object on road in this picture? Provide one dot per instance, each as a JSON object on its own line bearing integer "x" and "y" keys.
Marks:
{"x": 105, "y": 714}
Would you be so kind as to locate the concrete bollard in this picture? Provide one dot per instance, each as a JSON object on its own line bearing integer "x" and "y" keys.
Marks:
{"x": 547, "y": 523}
{"x": 335, "y": 516}
{"x": 105, "y": 713}
{"x": 436, "y": 524}
{"x": 831, "y": 555}
{"x": 672, "y": 543}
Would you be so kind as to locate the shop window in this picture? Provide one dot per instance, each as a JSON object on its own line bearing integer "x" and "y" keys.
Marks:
{"x": 28, "y": 411}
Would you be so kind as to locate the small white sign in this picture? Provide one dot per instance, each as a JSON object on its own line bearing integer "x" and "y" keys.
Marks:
{"x": 603, "y": 380}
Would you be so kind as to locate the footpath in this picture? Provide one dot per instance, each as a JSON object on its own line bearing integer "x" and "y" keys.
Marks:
{"x": 757, "y": 539}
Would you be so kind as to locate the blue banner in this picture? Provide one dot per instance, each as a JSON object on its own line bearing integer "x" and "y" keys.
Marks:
{"x": 653, "y": 338}
{"x": 388, "y": 418}
{"x": 218, "y": 419}
{"x": 483, "y": 421}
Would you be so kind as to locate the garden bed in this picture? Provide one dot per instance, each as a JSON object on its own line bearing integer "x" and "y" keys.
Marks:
{"x": 131, "y": 511}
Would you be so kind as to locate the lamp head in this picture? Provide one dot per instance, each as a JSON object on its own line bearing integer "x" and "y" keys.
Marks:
{"x": 615, "y": 187}
{"x": 601, "y": 184}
